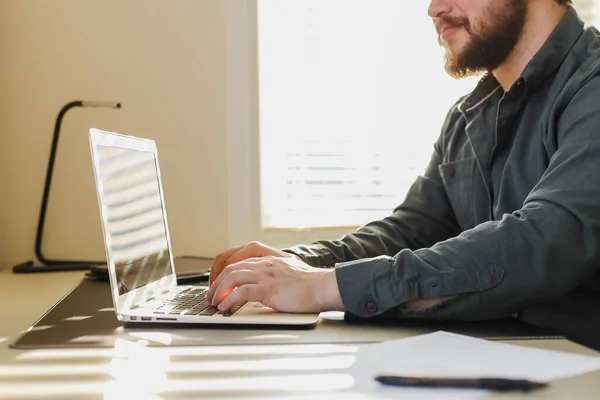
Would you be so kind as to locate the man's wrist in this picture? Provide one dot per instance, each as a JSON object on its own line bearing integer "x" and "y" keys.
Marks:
{"x": 328, "y": 293}
{"x": 290, "y": 254}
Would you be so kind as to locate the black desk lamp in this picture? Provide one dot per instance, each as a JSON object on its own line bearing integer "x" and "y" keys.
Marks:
{"x": 49, "y": 265}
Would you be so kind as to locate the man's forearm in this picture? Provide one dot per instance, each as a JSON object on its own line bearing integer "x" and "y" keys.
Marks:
{"x": 485, "y": 273}
{"x": 423, "y": 304}
{"x": 423, "y": 219}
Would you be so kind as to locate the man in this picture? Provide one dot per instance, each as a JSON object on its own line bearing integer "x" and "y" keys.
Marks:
{"x": 506, "y": 218}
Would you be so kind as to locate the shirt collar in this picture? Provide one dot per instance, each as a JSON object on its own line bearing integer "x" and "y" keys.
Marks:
{"x": 545, "y": 62}
{"x": 554, "y": 51}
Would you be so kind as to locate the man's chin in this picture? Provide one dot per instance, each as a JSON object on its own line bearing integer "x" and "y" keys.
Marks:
{"x": 450, "y": 55}
{"x": 451, "y": 67}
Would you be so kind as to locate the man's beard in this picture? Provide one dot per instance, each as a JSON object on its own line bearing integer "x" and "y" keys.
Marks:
{"x": 500, "y": 29}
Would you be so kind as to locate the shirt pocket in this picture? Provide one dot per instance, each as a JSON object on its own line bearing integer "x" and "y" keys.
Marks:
{"x": 458, "y": 181}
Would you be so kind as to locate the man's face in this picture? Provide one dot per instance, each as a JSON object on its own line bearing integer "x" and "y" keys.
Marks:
{"x": 478, "y": 35}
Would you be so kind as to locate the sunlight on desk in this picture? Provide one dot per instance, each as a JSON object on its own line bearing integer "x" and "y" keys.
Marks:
{"x": 272, "y": 337}
{"x": 159, "y": 337}
{"x": 122, "y": 348}
{"x": 78, "y": 318}
{"x": 38, "y": 328}
{"x": 149, "y": 372}
{"x": 241, "y": 385}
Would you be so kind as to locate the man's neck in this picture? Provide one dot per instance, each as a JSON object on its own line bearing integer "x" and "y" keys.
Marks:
{"x": 542, "y": 18}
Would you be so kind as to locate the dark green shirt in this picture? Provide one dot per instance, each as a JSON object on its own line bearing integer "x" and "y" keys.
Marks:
{"x": 506, "y": 218}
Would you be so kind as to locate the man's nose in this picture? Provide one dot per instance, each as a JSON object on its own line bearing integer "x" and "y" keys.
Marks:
{"x": 438, "y": 7}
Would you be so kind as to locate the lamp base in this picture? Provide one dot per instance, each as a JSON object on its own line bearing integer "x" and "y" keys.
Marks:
{"x": 28, "y": 267}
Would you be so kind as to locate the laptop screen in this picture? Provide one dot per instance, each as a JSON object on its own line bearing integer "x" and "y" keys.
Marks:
{"x": 135, "y": 228}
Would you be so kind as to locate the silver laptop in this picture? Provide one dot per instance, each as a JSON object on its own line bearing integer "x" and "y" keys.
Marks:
{"x": 138, "y": 247}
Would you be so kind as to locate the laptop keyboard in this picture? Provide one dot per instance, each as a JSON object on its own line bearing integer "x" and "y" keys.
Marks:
{"x": 191, "y": 301}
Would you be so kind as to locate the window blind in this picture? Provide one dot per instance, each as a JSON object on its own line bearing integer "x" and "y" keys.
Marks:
{"x": 353, "y": 95}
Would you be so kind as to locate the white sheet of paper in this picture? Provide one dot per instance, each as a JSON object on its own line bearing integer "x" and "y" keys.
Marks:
{"x": 447, "y": 354}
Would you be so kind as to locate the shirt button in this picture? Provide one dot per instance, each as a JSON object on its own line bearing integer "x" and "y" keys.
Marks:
{"x": 451, "y": 173}
{"x": 371, "y": 307}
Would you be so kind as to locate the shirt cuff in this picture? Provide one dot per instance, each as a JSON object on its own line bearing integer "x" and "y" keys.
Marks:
{"x": 364, "y": 286}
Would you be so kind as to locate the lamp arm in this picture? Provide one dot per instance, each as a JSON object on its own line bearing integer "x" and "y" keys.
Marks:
{"x": 49, "y": 172}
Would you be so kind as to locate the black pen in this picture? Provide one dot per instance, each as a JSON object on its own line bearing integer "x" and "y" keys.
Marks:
{"x": 499, "y": 384}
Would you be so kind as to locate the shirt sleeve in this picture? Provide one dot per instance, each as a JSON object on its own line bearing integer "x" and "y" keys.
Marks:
{"x": 424, "y": 218}
{"x": 539, "y": 252}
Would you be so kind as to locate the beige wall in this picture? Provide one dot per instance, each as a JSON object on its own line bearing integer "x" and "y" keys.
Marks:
{"x": 3, "y": 131}
{"x": 165, "y": 62}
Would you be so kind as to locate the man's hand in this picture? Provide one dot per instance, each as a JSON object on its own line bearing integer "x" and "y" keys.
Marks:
{"x": 240, "y": 253}
{"x": 282, "y": 283}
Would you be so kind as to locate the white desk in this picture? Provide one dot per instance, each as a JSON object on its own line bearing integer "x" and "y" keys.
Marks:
{"x": 290, "y": 371}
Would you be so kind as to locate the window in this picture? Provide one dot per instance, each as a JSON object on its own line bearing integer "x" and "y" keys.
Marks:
{"x": 589, "y": 11}
{"x": 352, "y": 95}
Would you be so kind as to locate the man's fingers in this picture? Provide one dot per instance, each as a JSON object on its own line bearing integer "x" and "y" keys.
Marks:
{"x": 220, "y": 263}
{"x": 248, "y": 265}
{"x": 250, "y": 292}
{"x": 252, "y": 250}
{"x": 235, "y": 279}
{"x": 246, "y": 253}
{"x": 241, "y": 253}
{"x": 232, "y": 256}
